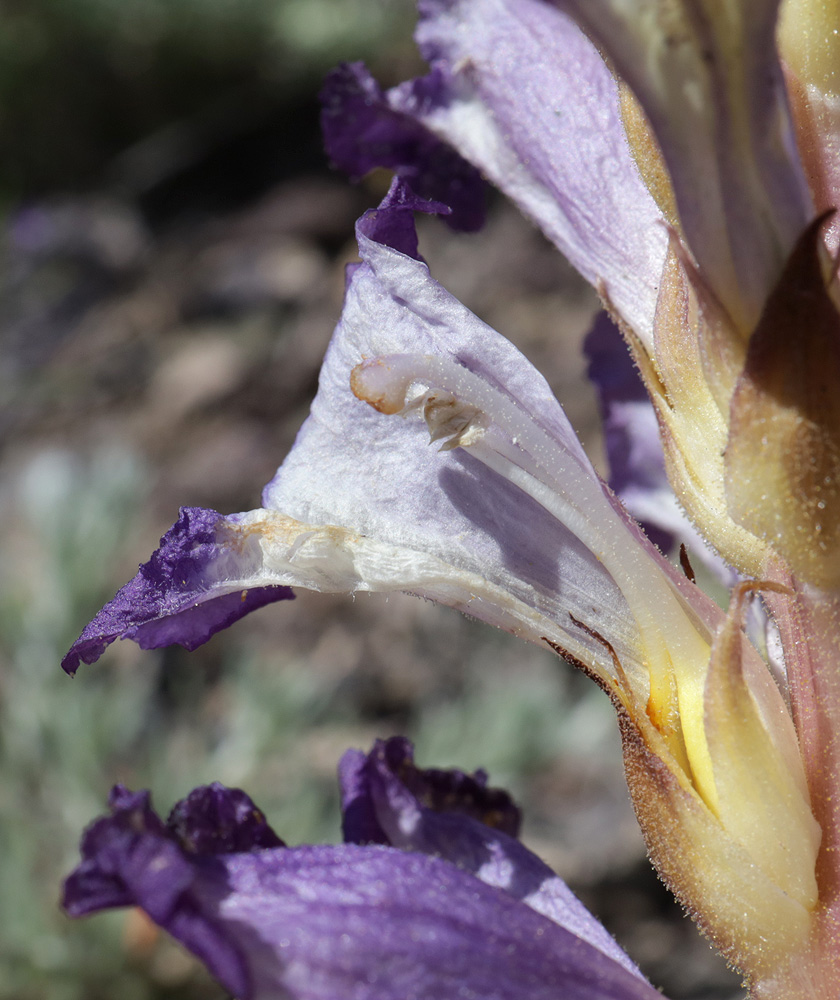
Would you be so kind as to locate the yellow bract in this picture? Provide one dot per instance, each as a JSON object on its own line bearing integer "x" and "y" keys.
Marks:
{"x": 809, "y": 40}
{"x": 732, "y": 833}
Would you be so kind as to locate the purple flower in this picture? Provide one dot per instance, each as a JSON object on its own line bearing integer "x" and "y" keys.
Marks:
{"x": 672, "y": 180}
{"x": 478, "y": 526}
{"x": 442, "y": 905}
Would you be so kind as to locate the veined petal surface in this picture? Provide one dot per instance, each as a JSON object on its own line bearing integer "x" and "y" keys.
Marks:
{"x": 708, "y": 77}
{"x": 521, "y": 93}
{"x": 323, "y": 923}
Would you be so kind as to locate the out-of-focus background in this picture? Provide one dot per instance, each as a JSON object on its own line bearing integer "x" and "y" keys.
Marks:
{"x": 173, "y": 243}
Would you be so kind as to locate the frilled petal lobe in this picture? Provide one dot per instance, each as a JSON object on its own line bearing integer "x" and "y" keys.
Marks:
{"x": 316, "y": 923}
{"x": 441, "y": 791}
{"x": 363, "y": 129}
{"x": 187, "y": 591}
{"x": 455, "y": 816}
{"x": 218, "y": 820}
{"x": 522, "y": 94}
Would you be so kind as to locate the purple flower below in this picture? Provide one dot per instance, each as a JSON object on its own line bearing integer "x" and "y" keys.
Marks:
{"x": 441, "y": 906}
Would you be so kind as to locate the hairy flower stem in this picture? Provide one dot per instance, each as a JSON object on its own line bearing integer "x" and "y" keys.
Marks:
{"x": 809, "y": 623}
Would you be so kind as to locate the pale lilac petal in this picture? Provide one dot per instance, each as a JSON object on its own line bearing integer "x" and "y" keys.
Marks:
{"x": 522, "y": 94}
{"x": 333, "y": 923}
{"x": 455, "y": 816}
{"x": 709, "y": 79}
{"x": 510, "y": 525}
{"x": 456, "y": 531}
{"x": 189, "y": 590}
{"x": 362, "y": 131}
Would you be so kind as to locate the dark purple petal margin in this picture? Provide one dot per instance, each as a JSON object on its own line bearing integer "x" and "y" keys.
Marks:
{"x": 363, "y": 130}
{"x": 171, "y": 600}
{"x": 392, "y": 222}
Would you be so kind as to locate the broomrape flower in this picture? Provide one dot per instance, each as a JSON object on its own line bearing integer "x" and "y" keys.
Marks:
{"x": 660, "y": 152}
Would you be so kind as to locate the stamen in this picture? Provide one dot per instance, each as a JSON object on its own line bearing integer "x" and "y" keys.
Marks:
{"x": 446, "y": 417}
{"x": 498, "y": 431}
